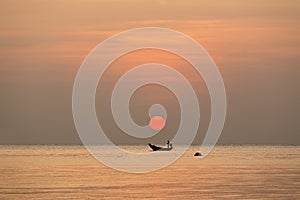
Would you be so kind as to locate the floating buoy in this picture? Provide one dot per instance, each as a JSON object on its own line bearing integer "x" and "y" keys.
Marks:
{"x": 197, "y": 154}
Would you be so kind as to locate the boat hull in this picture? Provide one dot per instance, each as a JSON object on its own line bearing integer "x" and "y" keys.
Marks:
{"x": 157, "y": 148}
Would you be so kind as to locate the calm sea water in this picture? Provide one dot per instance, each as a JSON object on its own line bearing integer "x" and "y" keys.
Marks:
{"x": 229, "y": 172}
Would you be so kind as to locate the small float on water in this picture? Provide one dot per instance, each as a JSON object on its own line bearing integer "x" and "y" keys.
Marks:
{"x": 197, "y": 154}
{"x": 157, "y": 148}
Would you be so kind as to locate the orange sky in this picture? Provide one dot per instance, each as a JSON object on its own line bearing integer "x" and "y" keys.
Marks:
{"x": 255, "y": 44}
{"x": 39, "y": 31}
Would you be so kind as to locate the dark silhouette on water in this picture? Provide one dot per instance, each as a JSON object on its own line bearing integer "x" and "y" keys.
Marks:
{"x": 153, "y": 147}
{"x": 157, "y": 148}
{"x": 197, "y": 154}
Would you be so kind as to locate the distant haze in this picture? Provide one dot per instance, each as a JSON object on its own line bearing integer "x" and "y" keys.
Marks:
{"x": 255, "y": 44}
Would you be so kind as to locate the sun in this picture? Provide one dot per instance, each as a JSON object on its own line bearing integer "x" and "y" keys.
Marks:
{"x": 157, "y": 123}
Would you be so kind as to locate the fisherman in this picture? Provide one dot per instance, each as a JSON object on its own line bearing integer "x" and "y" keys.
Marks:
{"x": 168, "y": 143}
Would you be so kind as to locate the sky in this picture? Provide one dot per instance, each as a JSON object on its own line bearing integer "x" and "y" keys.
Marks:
{"x": 255, "y": 45}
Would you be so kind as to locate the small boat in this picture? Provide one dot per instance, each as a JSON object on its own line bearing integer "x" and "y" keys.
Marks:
{"x": 157, "y": 148}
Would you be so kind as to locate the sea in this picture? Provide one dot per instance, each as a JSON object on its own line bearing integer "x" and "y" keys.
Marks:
{"x": 228, "y": 172}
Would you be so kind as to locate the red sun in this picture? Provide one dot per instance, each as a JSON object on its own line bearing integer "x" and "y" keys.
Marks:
{"x": 157, "y": 123}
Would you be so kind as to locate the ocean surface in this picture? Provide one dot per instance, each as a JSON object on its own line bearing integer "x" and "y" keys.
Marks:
{"x": 228, "y": 172}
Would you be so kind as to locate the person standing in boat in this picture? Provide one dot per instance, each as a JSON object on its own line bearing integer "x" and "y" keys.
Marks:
{"x": 168, "y": 143}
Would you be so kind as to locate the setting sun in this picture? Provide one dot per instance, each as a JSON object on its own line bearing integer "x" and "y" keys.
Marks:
{"x": 157, "y": 123}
